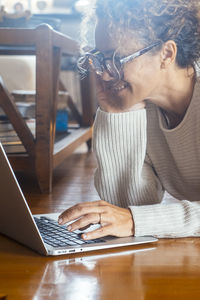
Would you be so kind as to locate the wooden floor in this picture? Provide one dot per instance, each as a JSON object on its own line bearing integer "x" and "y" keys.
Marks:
{"x": 72, "y": 183}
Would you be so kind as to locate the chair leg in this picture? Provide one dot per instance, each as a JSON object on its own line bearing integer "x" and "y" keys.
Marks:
{"x": 44, "y": 181}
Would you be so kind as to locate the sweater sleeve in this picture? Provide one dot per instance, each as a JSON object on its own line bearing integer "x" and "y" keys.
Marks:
{"x": 125, "y": 178}
{"x": 122, "y": 176}
{"x": 168, "y": 220}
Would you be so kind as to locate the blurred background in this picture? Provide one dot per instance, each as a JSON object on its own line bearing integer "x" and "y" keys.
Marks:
{"x": 47, "y": 6}
{"x": 62, "y": 15}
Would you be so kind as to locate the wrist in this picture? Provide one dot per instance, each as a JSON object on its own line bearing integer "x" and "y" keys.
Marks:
{"x": 132, "y": 222}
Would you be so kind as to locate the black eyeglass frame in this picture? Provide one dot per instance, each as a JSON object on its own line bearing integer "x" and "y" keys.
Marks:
{"x": 97, "y": 61}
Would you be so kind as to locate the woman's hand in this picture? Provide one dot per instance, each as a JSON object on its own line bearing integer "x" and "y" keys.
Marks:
{"x": 111, "y": 100}
{"x": 114, "y": 220}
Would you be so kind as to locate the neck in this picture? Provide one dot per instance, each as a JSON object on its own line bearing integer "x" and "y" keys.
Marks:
{"x": 175, "y": 91}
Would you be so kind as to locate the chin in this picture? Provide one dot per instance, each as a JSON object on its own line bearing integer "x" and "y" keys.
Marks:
{"x": 119, "y": 93}
{"x": 119, "y": 98}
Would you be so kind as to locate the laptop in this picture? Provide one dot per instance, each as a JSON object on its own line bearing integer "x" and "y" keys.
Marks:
{"x": 42, "y": 232}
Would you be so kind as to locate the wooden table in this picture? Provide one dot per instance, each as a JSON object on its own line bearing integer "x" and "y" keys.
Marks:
{"x": 168, "y": 269}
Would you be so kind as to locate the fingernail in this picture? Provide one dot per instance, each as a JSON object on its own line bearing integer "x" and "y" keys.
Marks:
{"x": 69, "y": 227}
{"x": 84, "y": 236}
{"x": 60, "y": 220}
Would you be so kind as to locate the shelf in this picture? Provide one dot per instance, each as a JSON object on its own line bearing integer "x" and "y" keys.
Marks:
{"x": 62, "y": 148}
{"x": 67, "y": 145}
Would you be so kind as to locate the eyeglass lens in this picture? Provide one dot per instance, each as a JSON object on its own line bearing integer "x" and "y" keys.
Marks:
{"x": 113, "y": 67}
{"x": 95, "y": 64}
{"x": 100, "y": 64}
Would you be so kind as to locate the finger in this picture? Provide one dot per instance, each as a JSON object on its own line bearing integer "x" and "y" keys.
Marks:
{"x": 78, "y": 211}
{"x": 84, "y": 221}
{"x": 98, "y": 233}
{"x": 91, "y": 203}
{"x": 97, "y": 202}
{"x": 85, "y": 228}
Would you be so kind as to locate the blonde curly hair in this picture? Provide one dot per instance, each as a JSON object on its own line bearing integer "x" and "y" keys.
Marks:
{"x": 153, "y": 20}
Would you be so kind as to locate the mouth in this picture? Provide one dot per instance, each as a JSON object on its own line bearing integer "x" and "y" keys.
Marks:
{"x": 118, "y": 87}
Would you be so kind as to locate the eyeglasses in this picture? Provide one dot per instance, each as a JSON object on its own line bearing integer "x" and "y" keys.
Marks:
{"x": 96, "y": 61}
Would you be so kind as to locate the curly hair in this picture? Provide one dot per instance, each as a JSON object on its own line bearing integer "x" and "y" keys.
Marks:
{"x": 153, "y": 20}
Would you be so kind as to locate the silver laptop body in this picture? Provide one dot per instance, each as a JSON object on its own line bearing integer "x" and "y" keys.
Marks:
{"x": 17, "y": 221}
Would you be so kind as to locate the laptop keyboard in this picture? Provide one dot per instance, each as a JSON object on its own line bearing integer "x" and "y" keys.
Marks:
{"x": 58, "y": 236}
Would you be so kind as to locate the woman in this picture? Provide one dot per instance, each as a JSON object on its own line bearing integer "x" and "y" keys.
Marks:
{"x": 146, "y": 133}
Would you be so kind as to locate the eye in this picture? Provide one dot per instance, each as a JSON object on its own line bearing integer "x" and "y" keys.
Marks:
{"x": 118, "y": 56}
{"x": 117, "y": 61}
{"x": 100, "y": 57}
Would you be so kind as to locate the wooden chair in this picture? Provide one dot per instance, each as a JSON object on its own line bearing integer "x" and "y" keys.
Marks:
{"x": 43, "y": 154}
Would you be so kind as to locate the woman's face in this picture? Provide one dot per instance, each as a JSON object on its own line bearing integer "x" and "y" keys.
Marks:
{"x": 141, "y": 76}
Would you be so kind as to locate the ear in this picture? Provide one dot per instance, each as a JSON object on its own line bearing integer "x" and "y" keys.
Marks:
{"x": 168, "y": 54}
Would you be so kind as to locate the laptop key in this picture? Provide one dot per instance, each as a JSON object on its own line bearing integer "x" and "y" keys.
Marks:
{"x": 70, "y": 243}
{"x": 79, "y": 242}
{"x": 57, "y": 235}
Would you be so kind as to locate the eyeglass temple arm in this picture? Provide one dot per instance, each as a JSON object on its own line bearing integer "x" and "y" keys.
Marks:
{"x": 138, "y": 53}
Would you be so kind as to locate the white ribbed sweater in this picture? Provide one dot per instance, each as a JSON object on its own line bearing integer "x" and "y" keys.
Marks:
{"x": 139, "y": 158}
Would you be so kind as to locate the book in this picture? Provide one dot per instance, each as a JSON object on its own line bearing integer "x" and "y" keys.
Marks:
{"x": 10, "y": 139}
{"x": 5, "y": 125}
{"x": 14, "y": 147}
